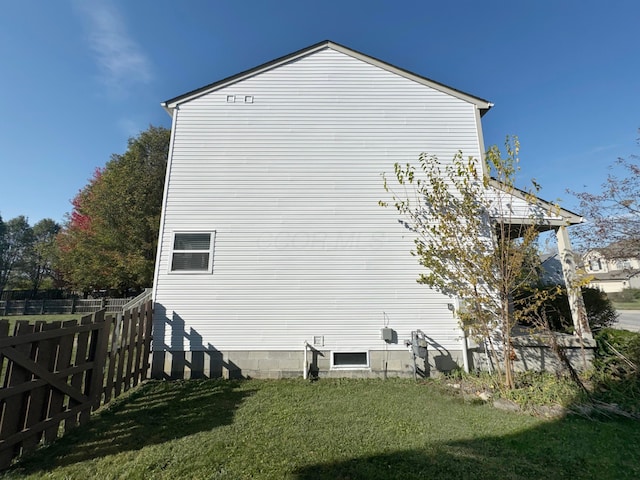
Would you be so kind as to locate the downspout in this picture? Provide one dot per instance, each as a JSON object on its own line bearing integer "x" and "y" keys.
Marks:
{"x": 305, "y": 370}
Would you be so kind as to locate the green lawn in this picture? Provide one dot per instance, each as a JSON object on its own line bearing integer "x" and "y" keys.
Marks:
{"x": 627, "y": 305}
{"x": 330, "y": 429}
{"x": 40, "y": 318}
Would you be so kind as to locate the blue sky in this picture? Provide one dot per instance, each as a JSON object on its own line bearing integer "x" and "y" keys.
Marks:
{"x": 78, "y": 78}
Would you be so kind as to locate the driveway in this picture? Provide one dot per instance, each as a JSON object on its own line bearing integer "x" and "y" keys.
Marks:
{"x": 629, "y": 320}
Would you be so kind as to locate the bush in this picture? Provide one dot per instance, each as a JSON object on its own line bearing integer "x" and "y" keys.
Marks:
{"x": 616, "y": 376}
{"x": 600, "y": 311}
{"x": 618, "y": 353}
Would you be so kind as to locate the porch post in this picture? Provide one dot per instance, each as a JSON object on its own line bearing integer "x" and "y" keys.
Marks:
{"x": 576, "y": 303}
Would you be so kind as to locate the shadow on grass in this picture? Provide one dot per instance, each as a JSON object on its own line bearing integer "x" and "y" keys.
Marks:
{"x": 155, "y": 413}
{"x": 571, "y": 448}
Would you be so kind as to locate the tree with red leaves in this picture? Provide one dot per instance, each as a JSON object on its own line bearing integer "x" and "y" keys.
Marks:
{"x": 110, "y": 238}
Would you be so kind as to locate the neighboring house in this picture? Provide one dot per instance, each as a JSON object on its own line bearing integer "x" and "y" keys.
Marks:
{"x": 611, "y": 274}
{"x": 271, "y": 235}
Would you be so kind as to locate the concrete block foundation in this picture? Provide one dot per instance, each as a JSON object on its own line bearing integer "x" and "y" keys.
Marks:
{"x": 531, "y": 353}
{"x": 287, "y": 364}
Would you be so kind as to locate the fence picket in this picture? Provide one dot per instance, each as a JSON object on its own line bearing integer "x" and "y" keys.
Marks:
{"x": 146, "y": 349}
{"x": 13, "y": 422}
{"x": 124, "y": 335}
{"x": 56, "y": 403}
{"x": 77, "y": 380}
{"x": 139, "y": 345}
{"x": 39, "y": 396}
{"x": 130, "y": 349}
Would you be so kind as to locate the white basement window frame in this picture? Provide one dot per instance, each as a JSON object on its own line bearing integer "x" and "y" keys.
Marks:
{"x": 350, "y": 360}
{"x": 192, "y": 252}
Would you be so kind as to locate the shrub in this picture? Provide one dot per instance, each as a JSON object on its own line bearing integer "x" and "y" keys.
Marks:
{"x": 600, "y": 311}
{"x": 618, "y": 353}
{"x": 616, "y": 376}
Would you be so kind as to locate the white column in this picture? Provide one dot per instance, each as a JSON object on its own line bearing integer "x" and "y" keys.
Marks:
{"x": 576, "y": 303}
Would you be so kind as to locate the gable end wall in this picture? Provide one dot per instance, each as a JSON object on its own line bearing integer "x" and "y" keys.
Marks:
{"x": 290, "y": 181}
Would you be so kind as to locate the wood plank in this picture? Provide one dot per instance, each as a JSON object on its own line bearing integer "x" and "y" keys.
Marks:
{"x": 133, "y": 319}
{"x": 148, "y": 326}
{"x": 14, "y": 407}
{"x": 4, "y": 332}
{"x": 122, "y": 341}
{"x": 39, "y": 397}
{"x": 14, "y": 340}
{"x": 112, "y": 357}
{"x": 48, "y": 423}
{"x": 57, "y": 381}
{"x": 77, "y": 380}
{"x": 57, "y": 400}
{"x": 8, "y": 392}
{"x": 139, "y": 345}
{"x": 98, "y": 353}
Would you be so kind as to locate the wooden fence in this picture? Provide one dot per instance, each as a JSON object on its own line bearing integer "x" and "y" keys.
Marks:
{"x": 61, "y": 307}
{"x": 55, "y": 374}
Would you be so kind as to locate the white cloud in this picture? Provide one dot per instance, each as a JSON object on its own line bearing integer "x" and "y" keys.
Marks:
{"x": 130, "y": 127}
{"x": 120, "y": 58}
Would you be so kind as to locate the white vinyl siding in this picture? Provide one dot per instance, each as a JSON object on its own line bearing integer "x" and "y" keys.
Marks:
{"x": 291, "y": 184}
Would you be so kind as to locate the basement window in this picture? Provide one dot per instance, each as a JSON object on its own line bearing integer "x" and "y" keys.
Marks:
{"x": 351, "y": 360}
{"x": 192, "y": 252}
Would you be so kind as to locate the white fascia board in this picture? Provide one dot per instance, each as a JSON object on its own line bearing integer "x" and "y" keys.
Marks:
{"x": 568, "y": 217}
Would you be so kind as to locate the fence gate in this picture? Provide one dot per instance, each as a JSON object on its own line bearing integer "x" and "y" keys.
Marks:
{"x": 54, "y": 374}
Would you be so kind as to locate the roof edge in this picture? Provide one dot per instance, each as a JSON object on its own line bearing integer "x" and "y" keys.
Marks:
{"x": 571, "y": 218}
{"x": 482, "y": 104}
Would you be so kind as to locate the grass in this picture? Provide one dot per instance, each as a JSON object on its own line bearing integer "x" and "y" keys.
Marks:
{"x": 40, "y": 318}
{"x": 330, "y": 429}
{"x": 627, "y": 299}
{"x": 627, "y": 305}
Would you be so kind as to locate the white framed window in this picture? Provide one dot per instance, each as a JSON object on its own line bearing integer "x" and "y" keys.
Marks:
{"x": 349, "y": 360}
{"x": 192, "y": 252}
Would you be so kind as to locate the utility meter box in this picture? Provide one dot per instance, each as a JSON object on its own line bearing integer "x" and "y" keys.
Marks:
{"x": 420, "y": 348}
{"x": 387, "y": 334}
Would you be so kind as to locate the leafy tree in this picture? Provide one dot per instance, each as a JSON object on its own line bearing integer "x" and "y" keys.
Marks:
{"x": 471, "y": 239}
{"x": 16, "y": 237}
{"x": 37, "y": 264}
{"x": 110, "y": 237}
{"x": 614, "y": 213}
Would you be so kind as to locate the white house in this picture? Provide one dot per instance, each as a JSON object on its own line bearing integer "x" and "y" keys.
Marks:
{"x": 611, "y": 274}
{"x": 271, "y": 236}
